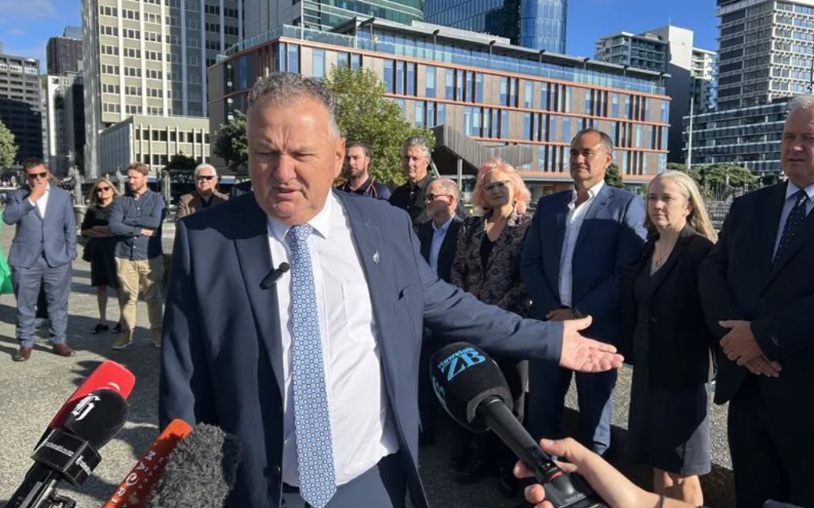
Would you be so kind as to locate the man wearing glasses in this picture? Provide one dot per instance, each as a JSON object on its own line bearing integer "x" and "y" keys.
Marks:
{"x": 205, "y": 195}
{"x": 44, "y": 247}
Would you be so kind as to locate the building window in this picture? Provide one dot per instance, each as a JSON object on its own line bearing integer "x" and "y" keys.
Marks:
{"x": 528, "y": 100}
{"x": 527, "y": 126}
{"x": 441, "y": 114}
{"x": 319, "y": 63}
{"x": 294, "y": 58}
{"x": 411, "y": 78}
{"x": 479, "y": 87}
{"x": 400, "y": 78}
{"x": 504, "y": 90}
{"x": 355, "y": 62}
{"x": 389, "y": 82}
{"x": 429, "y": 78}
{"x": 419, "y": 114}
{"x": 450, "y": 84}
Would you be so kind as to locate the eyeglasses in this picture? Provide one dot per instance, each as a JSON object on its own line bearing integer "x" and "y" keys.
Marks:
{"x": 496, "y": 185}
{"x": 204, "y": 177}
{"x": 102, "y": 189}
{"x": 34, "y": 176}
{"x": 433, "y": 197}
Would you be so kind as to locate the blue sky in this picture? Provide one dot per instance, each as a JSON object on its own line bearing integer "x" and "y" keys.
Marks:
{"x": 26, "y": 25}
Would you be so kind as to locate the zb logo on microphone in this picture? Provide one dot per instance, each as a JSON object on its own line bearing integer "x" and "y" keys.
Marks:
{"x": 460, "y": 361}
{"x": 85, "y": 406}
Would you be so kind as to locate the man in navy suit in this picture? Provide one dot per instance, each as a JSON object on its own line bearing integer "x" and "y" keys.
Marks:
{"x": 41, "y": 254}
{"x": 757, "y": 288}
{"x": 579, "y": 245}
{"x": 315, "y": 369}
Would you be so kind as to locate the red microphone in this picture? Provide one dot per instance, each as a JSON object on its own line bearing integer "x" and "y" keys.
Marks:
{"x": 136, "y": 487}
{"x": 109, "y": 375}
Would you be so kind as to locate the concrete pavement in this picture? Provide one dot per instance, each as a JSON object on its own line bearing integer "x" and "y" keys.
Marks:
{"x": 31, "y": 392}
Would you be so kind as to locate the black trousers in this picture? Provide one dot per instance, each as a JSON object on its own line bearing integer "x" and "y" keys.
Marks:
{"x": 768, "y": 461}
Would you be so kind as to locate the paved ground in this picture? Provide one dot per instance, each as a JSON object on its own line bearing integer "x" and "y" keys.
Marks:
{"x": 31, "y": 392}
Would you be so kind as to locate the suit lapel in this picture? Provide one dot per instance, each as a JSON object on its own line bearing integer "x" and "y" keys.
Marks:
{"x": 560, "y": 219}
{"x": 254, "y": 257}
{"x": 36, "y": 206}
{"x": 425, "y": 233}
{"x": 660, "y": 275}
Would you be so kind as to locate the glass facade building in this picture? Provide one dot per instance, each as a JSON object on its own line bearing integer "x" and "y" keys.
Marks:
{"x": 496, "y": 94}
{"x": 536, "y": 24}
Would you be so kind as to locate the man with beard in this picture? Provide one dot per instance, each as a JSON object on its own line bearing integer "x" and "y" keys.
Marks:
{"x": 357, "y": 161}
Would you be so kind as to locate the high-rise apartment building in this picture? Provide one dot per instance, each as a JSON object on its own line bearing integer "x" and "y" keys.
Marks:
{"x": 643, "y": 51}
{"x": 63, "y": 54}
{"x": 20, "y": 103}
{"x": 536, "y": 24}
{"x": 766, "y": 51}
{"x": 263, "y": 16}
{"x": 765, "y": 57}
{"x": 667, "y": 49}
{"x": 149, "y": 57}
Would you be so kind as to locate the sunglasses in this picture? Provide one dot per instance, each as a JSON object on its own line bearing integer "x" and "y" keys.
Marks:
{"x": 102, "y": 189}
{"x": 433, "y": 197}
{"x": 34, "y": 176}
{"x": 496, "y": 185}
{"x": 204, "y": 177}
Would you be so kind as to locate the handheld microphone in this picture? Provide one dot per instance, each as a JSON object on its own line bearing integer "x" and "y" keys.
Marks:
{"x": 471, "y": 388}
{"x": 137, "y": 485}
{"x": 71, "y": 453}
{"x": 110, "y": 375}
{"x": 200, "y": 471}
{"x": 274, "y": 275}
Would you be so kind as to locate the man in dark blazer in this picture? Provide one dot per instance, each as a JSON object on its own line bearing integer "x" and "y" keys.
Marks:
{"x": 41, "y": 254}
{"x": 757, "y": 288}
{"x": 439, "y": 238}
{"x": 205, "y": 195}
{"x": 577, "y": 249}
{"x": 244, "y": 366}
{"x": 439, "y": 235}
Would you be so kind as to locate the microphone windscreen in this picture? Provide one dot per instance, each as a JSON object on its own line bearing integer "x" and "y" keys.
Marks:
{"x": 200, "y": 472}
{"x": 463, "y": 376}
{"x": 98, "y": 417}
{"x": 137, "y": 485}
{"x": 110, "y": 375}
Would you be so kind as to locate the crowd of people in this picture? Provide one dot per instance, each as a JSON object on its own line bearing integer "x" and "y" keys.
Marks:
{"x": 372, "y": 293}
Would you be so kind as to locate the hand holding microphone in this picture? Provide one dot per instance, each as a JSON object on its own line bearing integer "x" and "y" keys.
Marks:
{"x": 473, "y": 391}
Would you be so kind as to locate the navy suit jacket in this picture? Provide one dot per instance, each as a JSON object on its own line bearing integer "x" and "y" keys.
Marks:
{"x": 54, "y": 235}
{"x": 609, "y": 242}
{"x": 738, "y": 280}
{"x": 448, "y": 246}
{"x": 222, "y": 343}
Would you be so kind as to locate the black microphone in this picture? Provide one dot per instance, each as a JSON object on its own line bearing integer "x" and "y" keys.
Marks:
{"x": 471, "y": 388}
{"x": 200, "y": 471}
{"x": 274, "y": 275}
{"x": 71, "y": 453}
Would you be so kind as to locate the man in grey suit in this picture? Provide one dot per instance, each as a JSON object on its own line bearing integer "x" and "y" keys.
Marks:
{"x": 41, "y": 254}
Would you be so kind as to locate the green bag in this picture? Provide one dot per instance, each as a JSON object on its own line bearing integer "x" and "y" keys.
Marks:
{"x": 6, "y": 287}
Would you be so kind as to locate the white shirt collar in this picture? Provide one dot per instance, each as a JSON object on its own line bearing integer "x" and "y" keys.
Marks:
{"x": 592, "y": 192}
{"x": 792, "y": 189}
{"x": 321, "y": 221}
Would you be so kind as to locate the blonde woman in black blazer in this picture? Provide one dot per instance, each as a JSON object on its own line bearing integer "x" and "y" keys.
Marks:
{"x": 665, "y": 336}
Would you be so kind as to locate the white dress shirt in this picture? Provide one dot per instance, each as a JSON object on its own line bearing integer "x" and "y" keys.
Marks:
{"x": 361, "y": 429}
{"x": 42, "y": 203}
{"x": 438, "y": 235}
{"x": 573, "y": 223}
{"x": 788, "y": 204}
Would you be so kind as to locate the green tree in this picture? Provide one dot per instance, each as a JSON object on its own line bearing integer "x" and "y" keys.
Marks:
{"x": 231, "y": 143}
{"x": 692, "y": 172}
{"x": 728, "y": 175}
{"x": 613, "y": 178}
{"x": 8, "y": 148}
{"x": 365, "y": 115}
{"x": 181, "y": 162}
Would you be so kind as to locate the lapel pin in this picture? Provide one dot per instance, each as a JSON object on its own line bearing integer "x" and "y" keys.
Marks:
{"x": 376, "y": 257}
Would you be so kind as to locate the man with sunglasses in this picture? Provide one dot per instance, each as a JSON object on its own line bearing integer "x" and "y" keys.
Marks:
{"x": 205, "y": 195}
{"x": 44, "y": 247}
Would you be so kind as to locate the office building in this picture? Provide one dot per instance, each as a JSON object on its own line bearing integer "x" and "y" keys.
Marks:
{"x": 20, "y": 103}
{"x": 263, "y": 16}
{"x": 63, "y": 54}
{"x": 153, "y": 140}
{"x": 703, "y": 72}
{"x": 65, "y": 125}
{"x": 536, "y": 24}
{"x": 481, "y": 95}
{"x": 149, "y": 57}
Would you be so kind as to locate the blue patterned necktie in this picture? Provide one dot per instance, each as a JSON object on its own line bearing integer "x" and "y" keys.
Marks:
{"x": 793, "y": 222}
{"x": 312, "y": 421}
